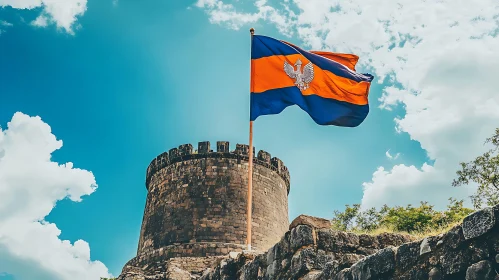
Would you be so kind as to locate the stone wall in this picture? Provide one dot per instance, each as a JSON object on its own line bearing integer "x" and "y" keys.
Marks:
{"x": 306, "y": 252}
{"x": 197, "y": 200}
{"x": 469, "y": 251}
{"x": 184, "y": 268}
{"x": 306, "y": 249}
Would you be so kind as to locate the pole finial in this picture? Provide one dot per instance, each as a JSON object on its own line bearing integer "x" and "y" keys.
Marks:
{"x": 252, "y": 31}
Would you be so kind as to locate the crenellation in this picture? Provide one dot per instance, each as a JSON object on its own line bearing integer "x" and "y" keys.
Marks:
{"x": 243, "y": 149}
{"x": 264, "y": 156}
{"x": 185, "y": 149}
{"x": 185, "y": 152}
{"x": 200, "y": 198}
{"x": 173, "y": 153}
{"x": 223, "y": 147}
{"x": 162, "y": 161}
{"x": 277, "y": 163}
{"x": 204, "y": 147}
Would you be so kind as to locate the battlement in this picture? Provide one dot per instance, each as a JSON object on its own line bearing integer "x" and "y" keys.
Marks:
{"x": 241, "y": 152}
{"x": 197, "y": 201}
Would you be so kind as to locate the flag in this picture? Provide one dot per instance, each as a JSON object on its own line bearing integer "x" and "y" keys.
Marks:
{"x": 323, "y": 84}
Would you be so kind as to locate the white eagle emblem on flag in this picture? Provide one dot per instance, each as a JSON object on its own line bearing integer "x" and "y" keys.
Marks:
{"x": 302, "y": 79}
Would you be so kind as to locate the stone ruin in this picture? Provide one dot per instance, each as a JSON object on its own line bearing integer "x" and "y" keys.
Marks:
{"x": 196, "y": 204}
{"x": 194, "y": 228}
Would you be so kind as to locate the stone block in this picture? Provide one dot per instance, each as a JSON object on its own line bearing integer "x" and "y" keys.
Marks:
{"x": 482, "y": 270}
{"x": 243, "y": 149}
{"x": 307, "y": 260}
{"x": 173, "y": 153}
{"x": 185, "y": 149}
{"x": 408, "y": 254}
{"x": 336, "y": 241}
{"x": 374, "y": 266}
{"x": 478, "y": 223}
{"x": 223, "y": 147}
{"x": 454, "y": 237}
{"x": 314, "y": 222}
{"x": 264, "y": 156}
{"x": 435, "y": 274}
{"x": 204, "y": 147}
{"x": 425, "y": 247}
{"x": 454, "y": 262}
{"x": 301, "y": 236}
{"x": 277, "y": 163}
{"x": 330, "y": 270}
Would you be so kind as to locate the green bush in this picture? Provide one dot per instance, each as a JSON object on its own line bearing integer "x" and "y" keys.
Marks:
{"x": 410, "y": 219}
{"x": 484, "y": 172}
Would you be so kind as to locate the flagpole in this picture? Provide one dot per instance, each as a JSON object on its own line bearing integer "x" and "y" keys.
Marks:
{"x": 250, "y": 165}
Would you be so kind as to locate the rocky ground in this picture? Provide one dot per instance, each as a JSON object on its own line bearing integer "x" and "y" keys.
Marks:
{"x": 310, "y": 250}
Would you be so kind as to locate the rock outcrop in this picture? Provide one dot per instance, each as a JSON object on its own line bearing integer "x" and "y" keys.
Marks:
{"x": 311, "y": 251}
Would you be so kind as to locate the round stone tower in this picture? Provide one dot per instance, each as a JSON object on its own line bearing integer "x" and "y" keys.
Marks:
{"x": 196, "y": 202}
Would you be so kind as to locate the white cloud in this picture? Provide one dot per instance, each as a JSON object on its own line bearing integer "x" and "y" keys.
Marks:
{"x": 221, "y": 13}
{"x": 40, "y": 21}
{"x": 30, "y": 186}
{"x": 441, "y": 59}
{"x": 4, "y": 24}
{"x": 388, "y": 155}
{"x": 63, "y": 13}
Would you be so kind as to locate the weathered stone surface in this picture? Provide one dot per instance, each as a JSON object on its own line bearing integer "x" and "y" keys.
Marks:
{"x": 199, "y": 199}
{"x": 454, "y": 262}
{"x": 345, "y": 274}
{"x": 414, "y": 274}
{"x": 374, "y": 266}
{"x": 336, "y": 241}
{"x": 392, "y": 239}
{"x": 330, "y": 270}
{"x": 338, "y": 255}
{"x": 348, "y": 259}
{"x": 301, "y": 236}
{"x": 435, "y": 274}
{"x": 425, "y": 247}
{"x": 368, "y": 241}
{"x": 478, "y": 223}
{"x": 482, "y": 270}
{"x": 314, "y": 222}
{"x": 307, "y": 260}
{"x": 408, "y": 254}
{"x": 479, "y": 251}
{"x": 295, "y": 256}
{"x": 454, "y": 237}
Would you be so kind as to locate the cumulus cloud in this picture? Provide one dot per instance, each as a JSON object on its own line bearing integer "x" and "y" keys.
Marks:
{"x": 30, "y": 186}
{"x": 62, "y": 13}
{"x": 223, "y": 13}
{"x": 439, "y": 60}
{"x": 390, "y": 156}
{"x": 41, "y": 21}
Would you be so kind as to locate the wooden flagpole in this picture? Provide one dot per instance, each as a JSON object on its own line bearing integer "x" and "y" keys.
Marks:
{"x": 250, "y": 165}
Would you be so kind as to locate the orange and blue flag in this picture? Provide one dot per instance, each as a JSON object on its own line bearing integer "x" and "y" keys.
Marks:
{"x": 323, "y": 84}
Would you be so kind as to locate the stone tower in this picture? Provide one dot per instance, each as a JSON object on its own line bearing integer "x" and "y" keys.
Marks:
{"x": 196, "y": 202}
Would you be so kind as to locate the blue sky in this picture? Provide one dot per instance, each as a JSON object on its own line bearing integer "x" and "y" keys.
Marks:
{"x": 132, "y": 79}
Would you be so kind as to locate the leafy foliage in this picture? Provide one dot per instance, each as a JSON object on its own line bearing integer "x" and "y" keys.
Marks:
{"x": 410, "y": 219}
{"x": 484, "y": 172}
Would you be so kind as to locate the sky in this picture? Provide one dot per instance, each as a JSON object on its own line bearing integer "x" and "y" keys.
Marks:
{"x": 91, "y": 91}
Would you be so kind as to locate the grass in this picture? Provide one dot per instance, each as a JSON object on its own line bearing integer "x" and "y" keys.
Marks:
{"x": 415, "y": 234}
